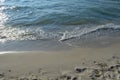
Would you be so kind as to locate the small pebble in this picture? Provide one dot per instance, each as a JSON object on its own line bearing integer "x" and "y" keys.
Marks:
{"x": 2, "y": 75}
{"x": 79, "y": 70}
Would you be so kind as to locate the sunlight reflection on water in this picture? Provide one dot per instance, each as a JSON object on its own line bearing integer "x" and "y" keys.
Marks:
{"x": 2, "y": 0}
{"x": 3, "y": 16}
{"x": 3, "y": 19}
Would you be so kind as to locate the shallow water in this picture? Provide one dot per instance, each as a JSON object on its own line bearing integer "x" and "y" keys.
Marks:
{"x": 38, "y": 24}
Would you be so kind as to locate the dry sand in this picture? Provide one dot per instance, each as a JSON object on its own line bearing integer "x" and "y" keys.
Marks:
{"x": 52, "y": 64}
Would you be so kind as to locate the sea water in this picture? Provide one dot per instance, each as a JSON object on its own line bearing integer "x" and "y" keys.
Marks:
{"x": 53, "y": 24}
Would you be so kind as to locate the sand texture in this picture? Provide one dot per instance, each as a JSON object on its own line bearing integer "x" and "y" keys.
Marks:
{"x": 75, "y": 64}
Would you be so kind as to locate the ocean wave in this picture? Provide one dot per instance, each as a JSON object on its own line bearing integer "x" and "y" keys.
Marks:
{"x": 87, "y": 31}
{"x": 32, "y": 33}
{"x": 14, "y": 34}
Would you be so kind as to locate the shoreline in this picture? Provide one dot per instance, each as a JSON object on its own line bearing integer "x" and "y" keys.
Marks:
{"x": 55, "y": 45}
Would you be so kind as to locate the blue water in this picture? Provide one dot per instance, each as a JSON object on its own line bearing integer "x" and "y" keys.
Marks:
{"x": 57, "y": 20}
{"x": 72, "y": 12}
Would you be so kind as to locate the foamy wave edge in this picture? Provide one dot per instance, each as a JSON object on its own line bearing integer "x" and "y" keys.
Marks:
{"x": 18, "y": 33}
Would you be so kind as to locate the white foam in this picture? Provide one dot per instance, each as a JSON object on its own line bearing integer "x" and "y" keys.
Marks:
{"x": 86, "y": 30}
{"x": 17, "y": 33}
{"x": 25, "y": 33}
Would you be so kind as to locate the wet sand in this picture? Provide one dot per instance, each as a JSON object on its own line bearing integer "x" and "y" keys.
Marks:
{"x": 51, "y": 64}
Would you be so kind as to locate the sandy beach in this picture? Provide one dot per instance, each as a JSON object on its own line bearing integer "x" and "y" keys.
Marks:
{"x": 51, "y": 65}
{"x": 59, "y": 39}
